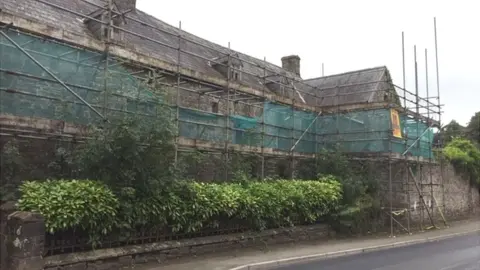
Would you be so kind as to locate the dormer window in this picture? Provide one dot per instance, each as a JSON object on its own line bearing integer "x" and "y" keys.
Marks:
{"x": 276, "y": 82}
{"x": 105, "y": 33}
{"x": 100, "y": 30}
{"x": 234, "y": 75}
{"x": 215, "y": 107}
{"x": 229, "y": 66}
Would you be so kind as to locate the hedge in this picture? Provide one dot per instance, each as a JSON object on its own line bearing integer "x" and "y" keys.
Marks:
{"x": 70, "y": 203}
{"x": 189, "y": 207}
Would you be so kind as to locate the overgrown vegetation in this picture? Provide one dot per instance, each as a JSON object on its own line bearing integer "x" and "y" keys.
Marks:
{"x": 465, "y": 156}
{"x": 360, "y": 205}
{"x": 473, "y": 128}
{"x": 455, "y": 130}
{"x": 136, "y": 152}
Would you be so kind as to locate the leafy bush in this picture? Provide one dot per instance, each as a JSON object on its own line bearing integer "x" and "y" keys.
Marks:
{"x": 465, "y": 156}
{"x": 257, "y": 205}
{"x": 287, "y": 202}
{"x": 134, "y": 152}
{"x": 186, "y": 207}
{"x": 67, "y": 204}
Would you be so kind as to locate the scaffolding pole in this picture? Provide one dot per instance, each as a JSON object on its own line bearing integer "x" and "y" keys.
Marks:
{"x": 263, "y": 119}
{"x": 439, "y": 112}
{"x": 177, "y": 99}
{"x": 227, "y": 115}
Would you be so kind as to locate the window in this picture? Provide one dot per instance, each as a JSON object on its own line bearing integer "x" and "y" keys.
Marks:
{"x": 105, "y": 32}
{"x": 215, "y": 107}
{"x": 234, "y": 75}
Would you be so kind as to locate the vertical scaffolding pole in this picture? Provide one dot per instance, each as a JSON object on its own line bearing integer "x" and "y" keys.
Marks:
{"x": 403, "y": 68}
{"x": 442, "y": 183}
{"x": 417, "y": 119}
{"x": 292, "y": 161}
{"x": 263, "y": 117}
{"x": 419, "y": 187}
{"x": 407, "y": 184}
{"x": 390, "y": 180}
{"x": 227, "y": 115}
{"x": 430, "y": 145}
{"x": 177, "y": 100}
{"x": 106, "y": 55}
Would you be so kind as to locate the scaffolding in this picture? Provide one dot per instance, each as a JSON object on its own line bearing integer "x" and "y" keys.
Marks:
{"x": 58, "y": 87}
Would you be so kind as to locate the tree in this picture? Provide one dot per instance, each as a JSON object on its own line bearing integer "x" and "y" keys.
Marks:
{"x": 473, "y": 128}
{"x": 136, "y": 151}
{"x": 448, "y": 132}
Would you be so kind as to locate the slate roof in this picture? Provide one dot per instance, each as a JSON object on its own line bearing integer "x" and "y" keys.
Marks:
{"x": 56, "y": 17}
{"x": 46, "y": 14}
{"x": 360, "y": 86}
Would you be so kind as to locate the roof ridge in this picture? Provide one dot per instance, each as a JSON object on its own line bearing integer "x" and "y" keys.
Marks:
{"x": 348, "y": 72}
{"x": 252, "y": 58}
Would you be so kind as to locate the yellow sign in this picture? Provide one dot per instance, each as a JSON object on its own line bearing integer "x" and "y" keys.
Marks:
{"x": 397, "y": 131}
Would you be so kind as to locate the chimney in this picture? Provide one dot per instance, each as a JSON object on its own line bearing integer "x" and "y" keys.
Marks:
{"x": 124, "y": 5}
{"x": 291, "y": 63}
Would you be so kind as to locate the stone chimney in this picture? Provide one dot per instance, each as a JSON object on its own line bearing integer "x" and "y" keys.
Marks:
{"x": 124, "y": 5}
{"x": 291, "y": 63}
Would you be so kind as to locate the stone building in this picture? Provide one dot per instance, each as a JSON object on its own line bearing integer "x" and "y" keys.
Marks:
{"x": 68, "y": 63}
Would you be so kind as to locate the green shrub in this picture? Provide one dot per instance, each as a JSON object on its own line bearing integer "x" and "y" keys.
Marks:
{"x": 465, "y": 156}
{"x": 287, "y": 202}
{"x": 67, "y": 204}
{"x": 185, "y": 207}
{"x": 264, "y": 204}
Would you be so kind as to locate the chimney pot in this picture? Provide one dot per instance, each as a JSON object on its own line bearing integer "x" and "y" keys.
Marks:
{"x": 291, "y": 63}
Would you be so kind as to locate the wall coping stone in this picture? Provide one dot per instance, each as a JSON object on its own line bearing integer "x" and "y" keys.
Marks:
{"x": 26, "y": 217}
{"x": 8, "y": 207}
{"x": 109, "y": 253}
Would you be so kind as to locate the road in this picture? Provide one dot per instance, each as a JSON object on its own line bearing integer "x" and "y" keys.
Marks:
{"x": 461, "y": 253}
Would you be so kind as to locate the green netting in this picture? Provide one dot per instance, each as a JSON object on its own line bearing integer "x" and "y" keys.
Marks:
{"x": 411, "y": 131}
{"x": 27, "y": 90}
{"x": 362, "y": 131}
{"x": 202, "y": 125}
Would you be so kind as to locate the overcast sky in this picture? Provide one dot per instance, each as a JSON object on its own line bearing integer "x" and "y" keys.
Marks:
{"x": 348, "y": 35}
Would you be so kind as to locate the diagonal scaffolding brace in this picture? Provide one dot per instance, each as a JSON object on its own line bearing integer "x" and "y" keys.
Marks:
{"x": 421, "y": 196}
{"x": 417, "y": 140}
{"x": 305, "y": 131}
{"x": 52, "y": 75}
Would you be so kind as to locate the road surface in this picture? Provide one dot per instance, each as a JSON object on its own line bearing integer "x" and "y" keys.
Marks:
{"x": 460, "y": 253}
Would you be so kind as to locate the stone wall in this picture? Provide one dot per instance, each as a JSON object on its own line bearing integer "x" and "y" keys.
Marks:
{"x": 461, "y": 198}
{"x": 25, "y": 240}
{"x": 129, "y": 256}
{"x": 5, "y": 210}
{"x": 456, "y": 199}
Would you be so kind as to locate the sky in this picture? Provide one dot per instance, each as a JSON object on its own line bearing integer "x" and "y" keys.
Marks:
{"x": 347, "y": 35}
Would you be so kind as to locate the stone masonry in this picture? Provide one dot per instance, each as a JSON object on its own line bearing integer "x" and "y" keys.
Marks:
{"x": 25, "y": 241}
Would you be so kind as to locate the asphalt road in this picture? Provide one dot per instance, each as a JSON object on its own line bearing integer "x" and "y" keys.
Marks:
{"x": 460, "y": 253}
